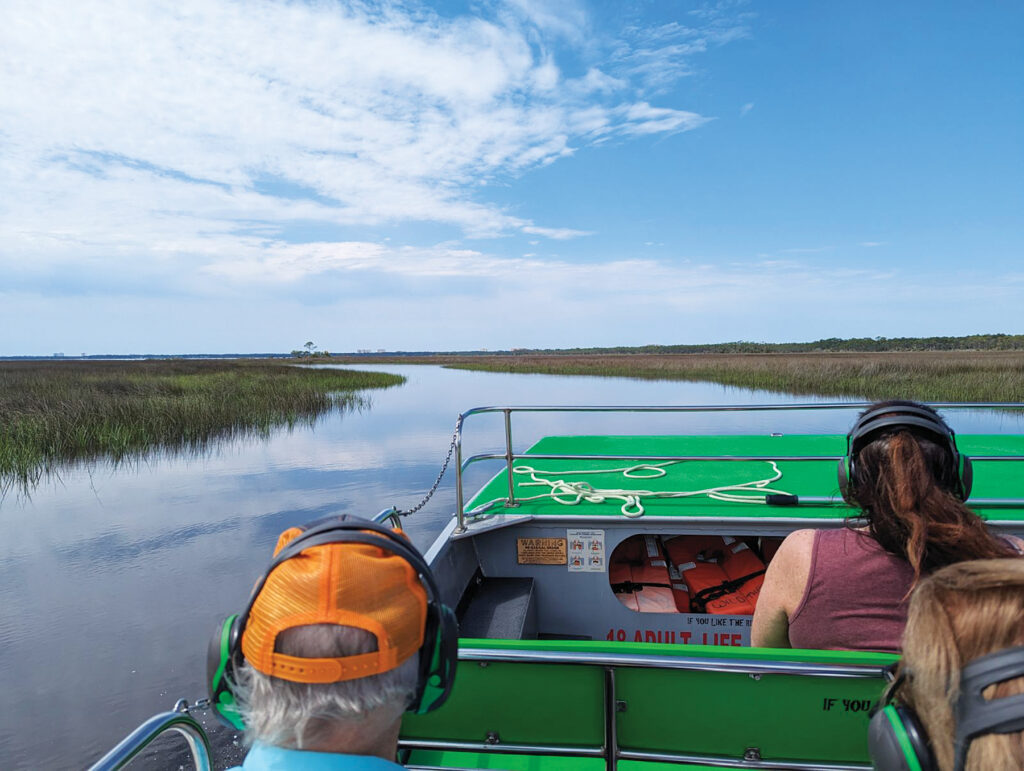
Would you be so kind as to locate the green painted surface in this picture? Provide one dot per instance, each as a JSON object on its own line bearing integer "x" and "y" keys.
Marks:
{"x": 713, "y": 713}
{"x": 998, "y": 479}
{"x": 796, "y": 717}
{"x": 506, "y": 762}
{"x": 650, "y": 765}
{"x": 523, "y": 703}
{"x": 539, "y": 762}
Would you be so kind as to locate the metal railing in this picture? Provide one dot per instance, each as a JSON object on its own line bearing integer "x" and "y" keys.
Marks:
{"x": 179, "y": 720}
{"x": 510, "y": 457}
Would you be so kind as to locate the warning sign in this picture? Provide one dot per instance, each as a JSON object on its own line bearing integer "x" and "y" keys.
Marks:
{"x": 586, "y": 551}
{"x": 540, "y": 551}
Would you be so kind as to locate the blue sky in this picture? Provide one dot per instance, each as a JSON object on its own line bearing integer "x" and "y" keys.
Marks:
{"x": 210, "y": 176}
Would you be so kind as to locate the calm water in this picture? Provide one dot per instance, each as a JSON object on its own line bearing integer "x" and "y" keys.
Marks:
{"x": 111, "y": 580}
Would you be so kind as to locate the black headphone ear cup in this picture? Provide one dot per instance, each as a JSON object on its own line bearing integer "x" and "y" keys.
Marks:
{"x": 897, "y": 742}
{"x": 843, "y": 475}
{"x": 966, "y": 476}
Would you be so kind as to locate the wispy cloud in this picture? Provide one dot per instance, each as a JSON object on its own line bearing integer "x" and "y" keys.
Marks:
{"x": 559, "y": 234}
{"x": 150, "y": 129}
{"x": 746, "y": 108}
{"x": 659, "y": 56}
{"x": 565, "y": 18}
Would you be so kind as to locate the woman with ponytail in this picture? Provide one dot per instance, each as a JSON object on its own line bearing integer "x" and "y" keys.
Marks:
{"x": 847, "y": 589}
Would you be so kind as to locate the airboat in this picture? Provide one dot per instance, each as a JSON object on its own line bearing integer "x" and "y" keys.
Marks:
{"x": 604, "y": 586}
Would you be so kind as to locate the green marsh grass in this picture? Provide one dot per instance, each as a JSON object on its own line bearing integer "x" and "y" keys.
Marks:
{"x": 960, "y": 376}
{"x": 58, "y": 412}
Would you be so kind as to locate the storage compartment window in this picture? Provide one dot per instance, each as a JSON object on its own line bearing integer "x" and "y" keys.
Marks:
{"x": 715, "y": 574}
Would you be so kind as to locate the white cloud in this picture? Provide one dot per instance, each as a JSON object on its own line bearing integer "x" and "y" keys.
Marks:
{"x": 559, "y": 234}
{"x": 152, "y": 129}
{"x": 746, "y": 108}
{"x": 174, "y": 156}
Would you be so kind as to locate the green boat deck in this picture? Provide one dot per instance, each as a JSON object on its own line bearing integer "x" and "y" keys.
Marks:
{"x": 806, "y": 479}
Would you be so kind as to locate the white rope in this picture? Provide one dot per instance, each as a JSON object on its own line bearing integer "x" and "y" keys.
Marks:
{"x": 572, "y": 493}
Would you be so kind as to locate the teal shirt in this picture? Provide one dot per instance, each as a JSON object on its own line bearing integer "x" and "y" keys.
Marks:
{"x": 266, "y": 757}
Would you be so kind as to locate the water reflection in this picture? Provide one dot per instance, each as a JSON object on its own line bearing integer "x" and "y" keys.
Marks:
{"x": 112, "y": 579}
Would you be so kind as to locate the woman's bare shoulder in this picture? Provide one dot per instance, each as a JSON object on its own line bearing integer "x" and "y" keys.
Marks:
{"x": 797, "y": 545}
{"x": 782, "y": 590}
{"x": 791, "y": 567}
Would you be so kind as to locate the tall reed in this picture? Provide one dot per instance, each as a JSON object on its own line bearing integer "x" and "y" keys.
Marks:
{"x": 53, "y": 413}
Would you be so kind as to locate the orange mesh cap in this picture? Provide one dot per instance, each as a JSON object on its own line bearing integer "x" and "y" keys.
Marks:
{"x": 350, "y": 584}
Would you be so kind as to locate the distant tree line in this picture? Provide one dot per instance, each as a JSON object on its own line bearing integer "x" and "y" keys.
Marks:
{"x": 996, "y": 342}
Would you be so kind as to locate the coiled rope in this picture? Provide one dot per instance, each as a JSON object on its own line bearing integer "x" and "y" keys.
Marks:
{"x": 572, "y": 493}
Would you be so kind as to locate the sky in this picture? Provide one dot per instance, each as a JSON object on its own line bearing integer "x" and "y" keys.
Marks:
{"x": 209, "y": 176}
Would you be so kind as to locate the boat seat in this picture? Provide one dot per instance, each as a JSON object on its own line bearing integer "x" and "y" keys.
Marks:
{"x": 501, "y": 609}
{"x": 578, "y": 701}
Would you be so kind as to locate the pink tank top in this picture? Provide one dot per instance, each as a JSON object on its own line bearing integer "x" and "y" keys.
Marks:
{"x": 856, "y": 595}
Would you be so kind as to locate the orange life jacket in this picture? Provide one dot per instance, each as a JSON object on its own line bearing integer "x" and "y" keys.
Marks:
{"x": 723, "y": 576}
{"x": 638, "y": 573}
{"x": 620, "y": 571}
{"x": 680, "y": 591}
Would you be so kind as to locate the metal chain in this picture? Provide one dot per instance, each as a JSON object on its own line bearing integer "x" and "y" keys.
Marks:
{"x": 433, "y": 489}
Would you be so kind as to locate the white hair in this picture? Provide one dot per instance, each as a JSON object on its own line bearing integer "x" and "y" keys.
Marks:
{"x": 301, "y": 715}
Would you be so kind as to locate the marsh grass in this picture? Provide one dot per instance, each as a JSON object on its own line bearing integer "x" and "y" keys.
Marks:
{"x": 54, "y": 413}
{"x": 968, "y": 376}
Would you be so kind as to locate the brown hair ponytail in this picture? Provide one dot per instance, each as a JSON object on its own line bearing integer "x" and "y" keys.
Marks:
{"x": 904, "y": 484}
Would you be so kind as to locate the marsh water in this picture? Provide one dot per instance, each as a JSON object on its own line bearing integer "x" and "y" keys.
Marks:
{"x": 112, "y": 579}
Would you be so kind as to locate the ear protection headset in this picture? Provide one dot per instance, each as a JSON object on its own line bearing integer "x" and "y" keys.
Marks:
{"x": 897, "y": 741}
{"x": 438, "y": 655}
{"x": 892, "y": 417}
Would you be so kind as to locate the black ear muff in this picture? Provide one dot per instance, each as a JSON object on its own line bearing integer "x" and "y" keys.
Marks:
{"x": 843, "y": 475}
{"x": 966, "y": 477}
{"x": 221, "y": 657}
{"x": 897, "y": 742}
{"x": 902, "y": 415}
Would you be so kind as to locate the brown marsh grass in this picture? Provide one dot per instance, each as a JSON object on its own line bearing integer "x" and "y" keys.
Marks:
{"x": 968, "y": 376}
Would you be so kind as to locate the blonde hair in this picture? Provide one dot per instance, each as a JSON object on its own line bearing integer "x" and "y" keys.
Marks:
{"x": 957, "y": 614}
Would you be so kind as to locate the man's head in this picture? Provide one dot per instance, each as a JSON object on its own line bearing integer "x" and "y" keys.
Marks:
{"x": 345, "y": 624}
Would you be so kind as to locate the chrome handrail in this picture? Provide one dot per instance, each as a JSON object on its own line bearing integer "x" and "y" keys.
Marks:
{"x": 509, "y": 457}
{"x": 178, "y": 719}
{"x": 388, "y": 515}
{"x": 692, "y": 663}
